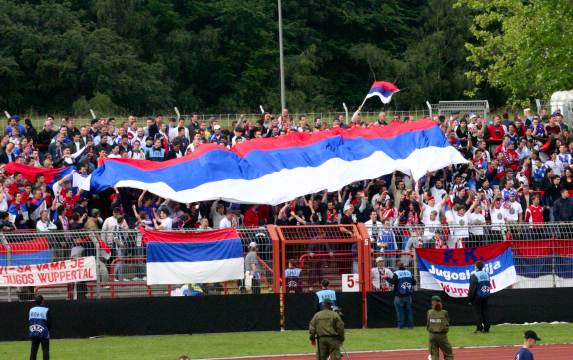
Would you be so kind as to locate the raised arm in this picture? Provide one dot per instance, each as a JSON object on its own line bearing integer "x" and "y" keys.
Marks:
{"x": 140, "y": 199}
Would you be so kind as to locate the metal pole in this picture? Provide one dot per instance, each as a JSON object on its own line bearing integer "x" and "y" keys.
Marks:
{"x": 281, "y": 57}
{"x": 95, "y": 241}
{"x": 8, "y": 261}
{"x": 429, "y": 108}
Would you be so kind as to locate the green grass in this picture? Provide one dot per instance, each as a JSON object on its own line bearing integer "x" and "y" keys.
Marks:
{"x": 260, "y": 343}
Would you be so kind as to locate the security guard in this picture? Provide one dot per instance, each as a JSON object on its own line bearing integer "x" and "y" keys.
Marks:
{"x": 404, "y": 283}
{"x": 324, "y": 294}
{"x": 327, "y": 332}
{"x": 39, "y": 325}
{"x": 480, "y": 288}
{"x": 438, "y": 325}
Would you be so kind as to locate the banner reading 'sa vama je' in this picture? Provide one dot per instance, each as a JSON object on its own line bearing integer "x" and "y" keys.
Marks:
{"x": 59, "y": 272}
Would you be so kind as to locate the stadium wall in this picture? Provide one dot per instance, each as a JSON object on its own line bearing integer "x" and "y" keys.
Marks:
{"x": 147, "y": 316}
{"x": 508, "y": 306}
{"x": 205, "y": 314}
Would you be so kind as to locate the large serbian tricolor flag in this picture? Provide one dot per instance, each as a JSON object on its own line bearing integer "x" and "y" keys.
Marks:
{"x": 275, "y": 170}
{"x": 199, "y": 257}
{"x": 450, "y": 269}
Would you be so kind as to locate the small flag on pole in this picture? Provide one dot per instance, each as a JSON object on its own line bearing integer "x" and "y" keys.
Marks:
{"x": 383, "y": 89}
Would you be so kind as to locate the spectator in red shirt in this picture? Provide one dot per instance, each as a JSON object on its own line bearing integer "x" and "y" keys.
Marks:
{"x": 534, "y": 215}
{"x": 251, "y": 217}
{"x": 552, "y": 128}
{"x": 496, "y": 131}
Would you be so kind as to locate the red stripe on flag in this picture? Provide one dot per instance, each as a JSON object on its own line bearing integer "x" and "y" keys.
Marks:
{"x": 178, "y": 237}
{"x": 293, "y": 139}
{"x": 384, "y": 84}
{"x": 30, "y": 173}
{"x": 27, "y": 247}
{"x": 463, "y": 256}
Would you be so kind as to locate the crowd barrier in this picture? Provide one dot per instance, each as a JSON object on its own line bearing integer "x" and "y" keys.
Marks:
{"x": 292, "y": 259}
{"x": 228, "y": 120}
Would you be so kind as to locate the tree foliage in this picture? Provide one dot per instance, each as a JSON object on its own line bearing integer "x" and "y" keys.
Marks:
{"x": 522, "y": 47}
{"x": 143, "y": 56}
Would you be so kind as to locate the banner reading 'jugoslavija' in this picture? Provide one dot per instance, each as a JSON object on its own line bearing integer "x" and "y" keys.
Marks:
{"x": 450, "y": 269}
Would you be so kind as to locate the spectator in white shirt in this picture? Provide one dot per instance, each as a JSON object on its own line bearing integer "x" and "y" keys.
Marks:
{"x": 431, "y": 225}
{"x": 113, "y": 233}
{"x": 373, "y": 226}
{"x": 512, "y": 211}
{"x": 459, "y": 220}
{"x": 380, "y": 275}
{"x": 554, "y": 164}
{"x": 477, "y": 219}
{"x": 44, "y": 223}
{"x": 227, "y": 221}
{"x": 136, "y": 152}
{"x": 139, "y": 137}
{"x": 381, "y": 197}
{"x": 217, "y": 213}
{"x": 164, "y": 222}
{"x": 431, "y": 206}
{"x": 437, "y": 190}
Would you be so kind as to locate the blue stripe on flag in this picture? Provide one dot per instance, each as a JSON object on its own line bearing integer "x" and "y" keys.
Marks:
{"x": 193, "y": 252}
{"x": 564, "y": 267}
{"x": 383, "y": 91}
{"x": 533, "y": 267}
{"x": 222, "y": 165}
{"x": 31, "y": 258}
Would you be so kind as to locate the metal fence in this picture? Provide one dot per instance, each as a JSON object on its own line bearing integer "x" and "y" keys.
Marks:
{"x": 121, "y": 264}
{"x": 227, "y": 120}
{"x": 547, "y": 107}
{"x": 542, "y": 253}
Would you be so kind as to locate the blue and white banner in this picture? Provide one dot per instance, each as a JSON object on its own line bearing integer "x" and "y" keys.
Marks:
{"x": 186, "y": 258}
{"x": 450, "y": 269}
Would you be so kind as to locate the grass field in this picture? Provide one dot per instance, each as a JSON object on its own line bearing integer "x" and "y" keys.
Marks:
{"x": 262, "y": 343}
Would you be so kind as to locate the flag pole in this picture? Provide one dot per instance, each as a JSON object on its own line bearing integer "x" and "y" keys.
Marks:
{"x": 359, "y": 108}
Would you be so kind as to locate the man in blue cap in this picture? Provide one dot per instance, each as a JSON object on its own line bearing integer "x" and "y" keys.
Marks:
{"x": 530, "y": 341}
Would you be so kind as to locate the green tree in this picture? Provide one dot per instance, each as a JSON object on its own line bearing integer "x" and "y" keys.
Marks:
{"x": 521, "y": 47}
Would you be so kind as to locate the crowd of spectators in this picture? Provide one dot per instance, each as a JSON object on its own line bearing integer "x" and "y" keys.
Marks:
{"x": 520, "y": 170}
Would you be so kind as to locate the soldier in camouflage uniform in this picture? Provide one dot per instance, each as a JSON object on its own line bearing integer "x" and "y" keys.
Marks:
{"x": 438, "y": 325}
{"x": 327, "y": 332}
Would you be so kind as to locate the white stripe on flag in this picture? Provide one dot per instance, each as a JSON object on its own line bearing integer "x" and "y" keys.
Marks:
{"x": 384, "y": 99}
{"x": 335, "y": 173}
{"x": 183, "y": 272}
